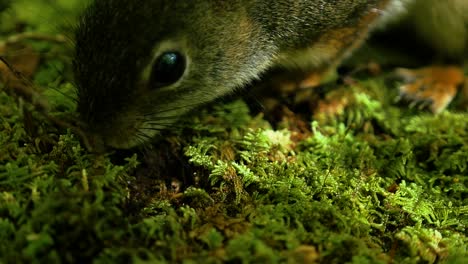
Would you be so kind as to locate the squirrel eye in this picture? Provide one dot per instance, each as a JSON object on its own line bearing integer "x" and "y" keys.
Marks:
{"x": 167, "y": 69}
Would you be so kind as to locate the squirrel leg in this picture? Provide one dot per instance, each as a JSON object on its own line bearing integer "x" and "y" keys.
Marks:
{"x": 433, "y": 86}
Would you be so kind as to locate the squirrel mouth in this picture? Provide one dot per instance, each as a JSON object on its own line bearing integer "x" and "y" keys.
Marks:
{"x": 130, "y": 135}
{"x": 122, "y": 142}
{"x": 123, "y": 132}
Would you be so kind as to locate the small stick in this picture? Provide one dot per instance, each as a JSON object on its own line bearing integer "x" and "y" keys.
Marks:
{"x": 23, "y": 89}
{"x": 59, "y": 38}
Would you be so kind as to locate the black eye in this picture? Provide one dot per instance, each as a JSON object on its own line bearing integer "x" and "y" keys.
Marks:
{"x": 167, "y": 69}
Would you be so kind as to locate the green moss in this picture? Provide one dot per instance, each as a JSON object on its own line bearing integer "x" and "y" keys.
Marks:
{"x": 377, "y": 183}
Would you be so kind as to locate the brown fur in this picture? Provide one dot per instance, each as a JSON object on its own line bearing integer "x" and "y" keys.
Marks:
{"x": 227, "y": 44}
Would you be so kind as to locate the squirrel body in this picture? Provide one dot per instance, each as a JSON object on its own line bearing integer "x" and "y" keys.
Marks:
{"x": 443, "y": 25}
{"x": 140, "y": 65}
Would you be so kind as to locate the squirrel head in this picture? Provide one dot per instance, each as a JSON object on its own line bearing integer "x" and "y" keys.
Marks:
{"x": 140, "y": 65}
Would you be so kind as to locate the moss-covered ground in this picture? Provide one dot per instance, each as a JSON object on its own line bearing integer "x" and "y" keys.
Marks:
{"x": 377, "y": 183}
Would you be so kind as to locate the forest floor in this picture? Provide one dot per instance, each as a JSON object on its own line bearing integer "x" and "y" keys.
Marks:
{"x": 367, "y": 181}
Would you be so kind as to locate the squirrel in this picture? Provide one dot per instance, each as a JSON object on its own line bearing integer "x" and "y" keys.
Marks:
{"x": 141, "y": 65}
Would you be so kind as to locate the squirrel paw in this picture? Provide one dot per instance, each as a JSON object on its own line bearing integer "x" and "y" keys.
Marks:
{"x": 433, "y": 87}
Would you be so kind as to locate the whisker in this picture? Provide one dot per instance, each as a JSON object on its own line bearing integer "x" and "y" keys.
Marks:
{"x": 165, "y": 122}
{"x": 160, "y": 120}
{"x": 142, "y": 135}
{"x": 69, "y": 97}
{"x": 162, "y": 130}
{"x": 164, "y": 125}
{"x": 141, "y": 139}
{"x": 174, "y": 118}
{"x": 145, "y": 149}
{"x": 154, "y": 128}
{"x": 173, "y": 109}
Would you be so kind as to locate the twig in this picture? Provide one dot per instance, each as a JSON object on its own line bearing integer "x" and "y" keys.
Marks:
{"x": 23, "y": 88}
{"x": 59, "y": 38}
